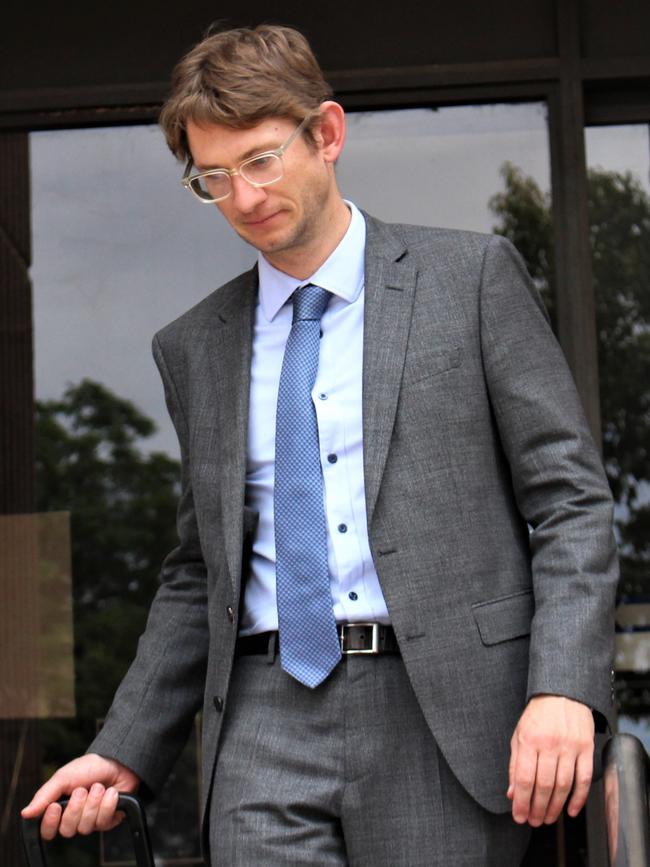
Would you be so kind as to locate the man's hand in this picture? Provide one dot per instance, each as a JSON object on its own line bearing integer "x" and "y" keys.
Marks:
{"x": 551, "y": 753}
{"x": 93, "y": 783}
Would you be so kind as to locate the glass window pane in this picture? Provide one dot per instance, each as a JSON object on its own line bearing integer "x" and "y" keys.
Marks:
{"x": 120, "y": 249}
{"x": 441, "y": 167}
{"x": 619, "y": 186}
{"x": 479, "y": 167}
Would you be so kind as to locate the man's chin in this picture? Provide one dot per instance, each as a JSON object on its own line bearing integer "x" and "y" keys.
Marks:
{"x": 266, "y": 243}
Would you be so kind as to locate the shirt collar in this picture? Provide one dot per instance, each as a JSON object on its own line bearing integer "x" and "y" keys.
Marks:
{"x": 342, "y": 273}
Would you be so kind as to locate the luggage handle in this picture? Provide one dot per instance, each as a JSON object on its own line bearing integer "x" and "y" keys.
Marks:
{"x": 135, "y": 816}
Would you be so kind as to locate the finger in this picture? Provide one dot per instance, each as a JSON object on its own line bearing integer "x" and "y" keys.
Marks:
{"x": 46, "y": 795}
{"x": 87, "y": 823}
{"x": 563, "y": 782}
{"x": 511, "y": 768}
{"x": 106, "y": 818}
{"x": 583, "y": 775}
{"x": 73, "y": 812}
{"x": 50, "y": 821}
{"x": 524, "y": 782}
{"x": 544, "y": 788}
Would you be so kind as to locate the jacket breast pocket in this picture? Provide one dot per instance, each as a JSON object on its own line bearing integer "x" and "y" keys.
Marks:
{"x": 505, "y": 618}
{"x": 421, "y": 366}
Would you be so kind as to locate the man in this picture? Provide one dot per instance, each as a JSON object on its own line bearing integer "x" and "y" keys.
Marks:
{"x": 394, "y": 585}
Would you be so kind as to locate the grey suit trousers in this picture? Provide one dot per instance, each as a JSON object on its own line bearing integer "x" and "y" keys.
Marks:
{"x": 346, "y": 774}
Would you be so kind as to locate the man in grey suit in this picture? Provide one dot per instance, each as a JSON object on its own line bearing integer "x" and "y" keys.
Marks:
{"x": 458, "y": 511}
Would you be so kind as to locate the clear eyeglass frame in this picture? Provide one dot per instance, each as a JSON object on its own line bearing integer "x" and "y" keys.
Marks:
{"x": 193, "y": 182}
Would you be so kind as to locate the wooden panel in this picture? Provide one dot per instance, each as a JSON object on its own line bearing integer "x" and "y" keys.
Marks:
{"x": 81, "y": 44}
{"x": 575, "y": 301}
{"x": 614, "y": 28}
{"x": 435, "y": 84}
{"x": 16, "y": 402}
{"x": 19, "y": 747}
{"x": 613, "y": 105}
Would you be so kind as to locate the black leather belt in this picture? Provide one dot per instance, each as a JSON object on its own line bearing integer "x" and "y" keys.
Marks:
{"x": 356, "y": 639}
{"x": 370, "y": 638}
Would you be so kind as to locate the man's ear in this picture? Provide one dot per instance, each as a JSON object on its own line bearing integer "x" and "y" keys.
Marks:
{"x": 329, "y": 133}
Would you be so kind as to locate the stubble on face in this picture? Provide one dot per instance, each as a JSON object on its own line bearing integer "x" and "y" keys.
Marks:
{"x": 288, "y": 223}
{"x": 296, "y": 222}
{"x": 292, "y": 220}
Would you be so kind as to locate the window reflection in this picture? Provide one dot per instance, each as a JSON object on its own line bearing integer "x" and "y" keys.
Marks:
{"x": 36, "y": 662}
{"x": 440, "y": 167}
{"x": 619, "y": 209}
{"x": 120, "y": 249}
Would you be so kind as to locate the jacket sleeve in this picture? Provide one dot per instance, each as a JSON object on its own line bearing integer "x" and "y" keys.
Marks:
{"x": 154, "y": 706}
{"x": 559, "y": 485}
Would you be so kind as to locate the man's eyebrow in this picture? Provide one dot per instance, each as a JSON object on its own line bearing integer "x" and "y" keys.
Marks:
{"x": 251, "y": 152}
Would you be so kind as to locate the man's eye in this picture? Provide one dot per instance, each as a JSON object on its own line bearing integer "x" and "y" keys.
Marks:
{"x": 259, "y": 163}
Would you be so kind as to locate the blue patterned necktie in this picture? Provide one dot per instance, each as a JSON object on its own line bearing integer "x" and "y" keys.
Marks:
{"x": 309, "y": 644}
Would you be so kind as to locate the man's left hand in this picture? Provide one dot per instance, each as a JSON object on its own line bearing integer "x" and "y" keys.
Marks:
{"x": 551, "y": 754}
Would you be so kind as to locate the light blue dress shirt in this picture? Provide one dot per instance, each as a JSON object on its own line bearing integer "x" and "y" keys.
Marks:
{"x": 356, "y": 592}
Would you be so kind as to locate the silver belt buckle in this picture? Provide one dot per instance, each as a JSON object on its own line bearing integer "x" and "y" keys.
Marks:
{"x": 375, "y": 639}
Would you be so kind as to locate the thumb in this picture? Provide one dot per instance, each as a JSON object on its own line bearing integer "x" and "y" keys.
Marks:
{"x": 55, "y": 788}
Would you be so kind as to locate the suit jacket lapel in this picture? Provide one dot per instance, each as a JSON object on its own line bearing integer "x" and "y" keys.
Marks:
{"x": 389, "y": 293}
{"x": 231, "y": 363}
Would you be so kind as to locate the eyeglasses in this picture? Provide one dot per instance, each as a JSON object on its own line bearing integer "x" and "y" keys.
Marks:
{"x": 263, "y": 169}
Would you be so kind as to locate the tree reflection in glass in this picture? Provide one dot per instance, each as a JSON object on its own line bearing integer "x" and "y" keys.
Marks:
{"x": 619, "y": 216}
{"x": 122, "y": 502}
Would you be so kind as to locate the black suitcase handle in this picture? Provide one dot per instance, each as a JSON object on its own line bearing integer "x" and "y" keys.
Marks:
{"x": 135, "y": 816}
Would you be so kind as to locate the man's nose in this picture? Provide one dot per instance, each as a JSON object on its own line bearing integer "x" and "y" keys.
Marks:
{"x": 245, "y": 196}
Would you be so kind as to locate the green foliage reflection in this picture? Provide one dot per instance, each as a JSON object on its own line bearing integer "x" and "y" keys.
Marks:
{"x": 619, "y": 216}
{"x": 122, "y": 504}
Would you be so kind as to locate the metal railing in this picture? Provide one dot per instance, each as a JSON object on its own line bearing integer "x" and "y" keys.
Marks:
{"x": 626, "y": 780}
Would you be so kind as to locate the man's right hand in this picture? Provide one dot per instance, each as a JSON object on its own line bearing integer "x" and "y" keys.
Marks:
{"x": 92, "y": 783}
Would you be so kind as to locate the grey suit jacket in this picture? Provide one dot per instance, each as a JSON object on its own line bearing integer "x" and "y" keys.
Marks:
{"x": 489, "y": 514}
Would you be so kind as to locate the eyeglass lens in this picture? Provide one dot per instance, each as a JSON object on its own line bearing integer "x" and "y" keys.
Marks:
{"x": 262, "y": 170}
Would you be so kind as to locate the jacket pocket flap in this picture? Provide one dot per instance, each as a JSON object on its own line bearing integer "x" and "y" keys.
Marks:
{"x": 424, "y": 366}
{"x": 505, "y": 618}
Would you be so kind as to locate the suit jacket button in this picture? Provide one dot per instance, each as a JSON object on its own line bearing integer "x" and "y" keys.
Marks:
{"x": 231, "y": 613}
{"x": 218, "y": 703}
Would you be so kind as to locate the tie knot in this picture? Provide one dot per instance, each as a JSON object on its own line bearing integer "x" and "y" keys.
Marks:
{"x": 309, "y": 302}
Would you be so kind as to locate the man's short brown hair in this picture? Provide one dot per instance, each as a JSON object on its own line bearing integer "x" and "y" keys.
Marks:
{"x": 240, "y": 77}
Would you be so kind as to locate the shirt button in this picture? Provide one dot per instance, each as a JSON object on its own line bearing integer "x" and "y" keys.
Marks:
{"x": 218, "y": 703}
{"x": 342, "y": 528}
{"x": 322, "y": 396}
{"x": 353, "y": 596}
{"x": 231, "y": 614}
{"x": 332, "y": 458}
